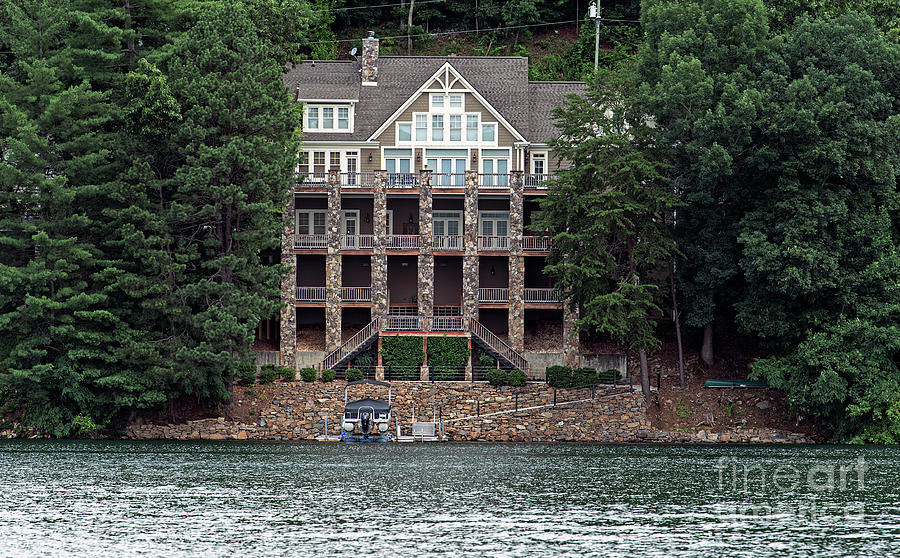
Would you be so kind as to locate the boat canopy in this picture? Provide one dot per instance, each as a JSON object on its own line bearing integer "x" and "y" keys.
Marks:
{"x": 375, "y": 404}
{"x": 370, "y": 382}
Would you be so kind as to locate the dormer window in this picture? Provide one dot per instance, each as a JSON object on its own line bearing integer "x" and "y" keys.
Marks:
{"x": 328, "y": 118}
{"x": 437, "y": 101}
{"x": 456, "y": 102}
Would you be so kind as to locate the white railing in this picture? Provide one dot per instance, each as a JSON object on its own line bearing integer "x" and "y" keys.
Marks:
{"x": 498, "y": 346}
{"x": 311, "y": 242}
{"x": 493, "y": 181}
{"x": 493, "y": 295}
{"x": 402, "y": 241}
{"x": 493, "y": 243}
{"x": 357, "y": 242}
{"x": 310, "y": 294}
{"x": 403, "y": 323}
{"x": 357, "y": 179}
{"x": 402, "y": 180}
{"x": 356, "y": 294}
{"x": 449, "y": 323}
{"x": 541, "y": 295}
{"x": 448, "y": 180}
{"x": 448, "y": 243}
{"x": 536, "y": 243}
{"x": 311, "y": 179}
{"x": 534, "y": 181}
{"x": 350, "y": 345}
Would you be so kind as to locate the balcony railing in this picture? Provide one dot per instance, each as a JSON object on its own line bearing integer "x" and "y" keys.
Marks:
{"x": 493, "y": 243}
{"x": 402, "y": 180}
{"x": 357, "y": 242}
{"x": 403, "y": 323}
{"x": 356, "y": 294}
{"x": 449, "y": 323}
{"x": 311, "y": 179}
{"x": 310, "y": 294}
{"x": 448, "y": 243}
{"x": 357, "y": 179}
{"x": 535, "y": 181}
{"x": 541, "y": 295}
{"x": 536, "y": 243}
{"x": 402, "y": 241}
{"x": 311, "y": 242}
{"x": 448, "y": 180}
{"x": 493, "y": 295}
{"x": 493, "y": 180}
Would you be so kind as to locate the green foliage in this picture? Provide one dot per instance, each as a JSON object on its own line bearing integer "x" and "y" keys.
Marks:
{"x": 247, "y": 374}
{"x": 328, "y": 375}
{"x": 606, "y": 213}
{"x": 268, "y": 374}
{"x": 609, "y": 376}
{"x": 308, "y": 374}
{"x": 497, "y": 377}
{"x": 559, "y": 376}
{"x": 354, "y": 374}
{"x": 446, "y": 355}
{"x": 83, "y": 425}
{"x": 287, "y": 374}
{"x": 403, "y": 354}
{"x": 517, "y": 378}
{"x": 365, "y": 359}
{"x": 485, "y": 360}
{"x": 682, "y": 408}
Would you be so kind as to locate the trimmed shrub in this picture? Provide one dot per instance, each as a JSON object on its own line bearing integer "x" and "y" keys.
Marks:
{"x": 496, "y": 377}
{"x": 403, "y": 354}
{"x": 354, "y": 374}
{"x": 559, "y": 376}
{"x": 609, "y": 376}
{"x": 328, "y": 375}
{"x": 287, "y": 374}
{"x": 517, "y": 378}
{"x": 268, "y": 374}
{"x": 247, "y": 374}
{"x": 308, "y": 374}
{"x": 585, "y": 377}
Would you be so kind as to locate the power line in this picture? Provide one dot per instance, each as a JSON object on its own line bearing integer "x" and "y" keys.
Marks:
{"x": 472, "y": 30}
{"x": 372, "y": 7}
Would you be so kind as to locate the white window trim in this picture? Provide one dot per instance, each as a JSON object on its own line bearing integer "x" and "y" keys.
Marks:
{"x": 480, "y": 219}
{"x": 457, "y": 216}
{"x": 540, "y": 155}
{"x": 309, "y": 212}
{"x": 352, "y": 212}
{"x": 335, "y": 129}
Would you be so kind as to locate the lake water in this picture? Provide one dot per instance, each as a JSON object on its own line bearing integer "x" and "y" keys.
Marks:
{"x": 93, "y": 498}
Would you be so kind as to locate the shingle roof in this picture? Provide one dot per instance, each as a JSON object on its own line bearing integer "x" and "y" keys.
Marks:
{"x": 502, "y": 81}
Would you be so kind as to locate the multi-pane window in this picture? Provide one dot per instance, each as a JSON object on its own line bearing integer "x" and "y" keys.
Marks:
{"x": 319, "y": 161}
{"x": 303, "y": 162}
{"x": 488, "y": 132}
{"x": 494, "y": 223}
{"x": 310, "y": 221}
{"x": 538, "y": 163}
{"x": 312, "y": 118}
{"x": 437, "y": 127}
{"x": 455, "y": 127}
{"x": 437, "y": 101}
{"x": 404, "y": 132}
{"x": 324, "y": 118}
{"x": 327, "y": 118}
{"x": 421, "y": 127}
{"x": 472, "y": 127}
{"x": 447, "y": 223}
{"x": 456, "y": 101}
{"x": 335, "y": 160}
{"x": 343, "y": 118}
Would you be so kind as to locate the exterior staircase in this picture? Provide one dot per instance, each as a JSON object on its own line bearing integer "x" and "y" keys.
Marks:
{"x": 489, "y": 341}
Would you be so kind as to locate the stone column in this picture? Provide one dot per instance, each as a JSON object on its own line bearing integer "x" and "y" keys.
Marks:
{"x": 426, "y": 252}
{"x": 516, "y": 263}
{"x": 379, "y": 254}
{"x": 288, "y": 338}
{"x": 470, "y": 242}
{"x": 571, "y": 343}
{"x": 333, "y": 264}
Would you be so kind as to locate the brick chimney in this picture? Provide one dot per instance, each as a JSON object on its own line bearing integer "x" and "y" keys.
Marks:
{"x": 370, "y": 60}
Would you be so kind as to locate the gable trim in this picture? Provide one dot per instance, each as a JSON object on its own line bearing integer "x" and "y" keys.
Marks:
{"x": 427, "y": 85}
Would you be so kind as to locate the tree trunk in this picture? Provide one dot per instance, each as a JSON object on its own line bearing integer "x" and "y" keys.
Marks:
{"x": 408, "y": 28}
{"x": 706, "y": 352}
{"x": 645, "y": 376}
{"x": 677, "y": 327}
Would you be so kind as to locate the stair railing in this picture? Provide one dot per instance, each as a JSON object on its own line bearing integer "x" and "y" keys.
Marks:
{"x": 350, "y": 345}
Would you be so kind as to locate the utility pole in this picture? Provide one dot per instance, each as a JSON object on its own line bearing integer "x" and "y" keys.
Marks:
{"x": 594, "y": 12}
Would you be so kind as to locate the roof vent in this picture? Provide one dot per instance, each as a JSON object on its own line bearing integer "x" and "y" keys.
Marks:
{"x": 370, "y": 60}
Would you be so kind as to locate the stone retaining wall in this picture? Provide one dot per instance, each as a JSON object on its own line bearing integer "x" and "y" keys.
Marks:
{"x": 297, "y": 411}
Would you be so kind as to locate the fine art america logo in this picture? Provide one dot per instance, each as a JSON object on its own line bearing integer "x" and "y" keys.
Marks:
{"x": 810, "y": 493}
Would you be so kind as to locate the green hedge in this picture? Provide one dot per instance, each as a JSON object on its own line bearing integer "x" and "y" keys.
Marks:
{"x": 354, "y": 374}
{"x": 402, "y": 353}
{"x": 609, "y": 376}
{"x": 328, "y": 375}
{"x": 496, "y": 377}
{"x": 268, "y": 374}
{"x": 247, "y": 374}
{"x": 517, "y": 378}
{"x": 447, "y": 354}
{"x": 308, "y": 374}
{"x": 563, "y": 376}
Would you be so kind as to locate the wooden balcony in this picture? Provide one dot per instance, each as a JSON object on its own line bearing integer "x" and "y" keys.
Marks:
{"x": 493, "y": 243}
{"x": 448, "y": 243}
{"x": 357, "y": 242}
{"x": 493, "y": 295}
{"x": 536, "y": 243}
{"x": 311, "y": 242}
{"x": 541, "y": 296}
{"x": 310, "y": 294}
{"x": 356, "y": 294}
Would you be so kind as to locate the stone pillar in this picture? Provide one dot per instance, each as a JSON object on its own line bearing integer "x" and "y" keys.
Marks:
{"x": 470, "y": 242}
{"x": 333, "y": 264}
{"x": 426, "y": 252}
{"x": 571, "y": 343}
{"x": 288, "y": 338}
{"x": 379, "y": 254}
{"x": 379, "y": 373}
{"x": 468, "y": 372}
{"x": 516, "y": 263}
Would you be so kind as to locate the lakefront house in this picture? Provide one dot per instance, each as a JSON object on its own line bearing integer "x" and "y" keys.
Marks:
{"x": 418, "y": 185}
